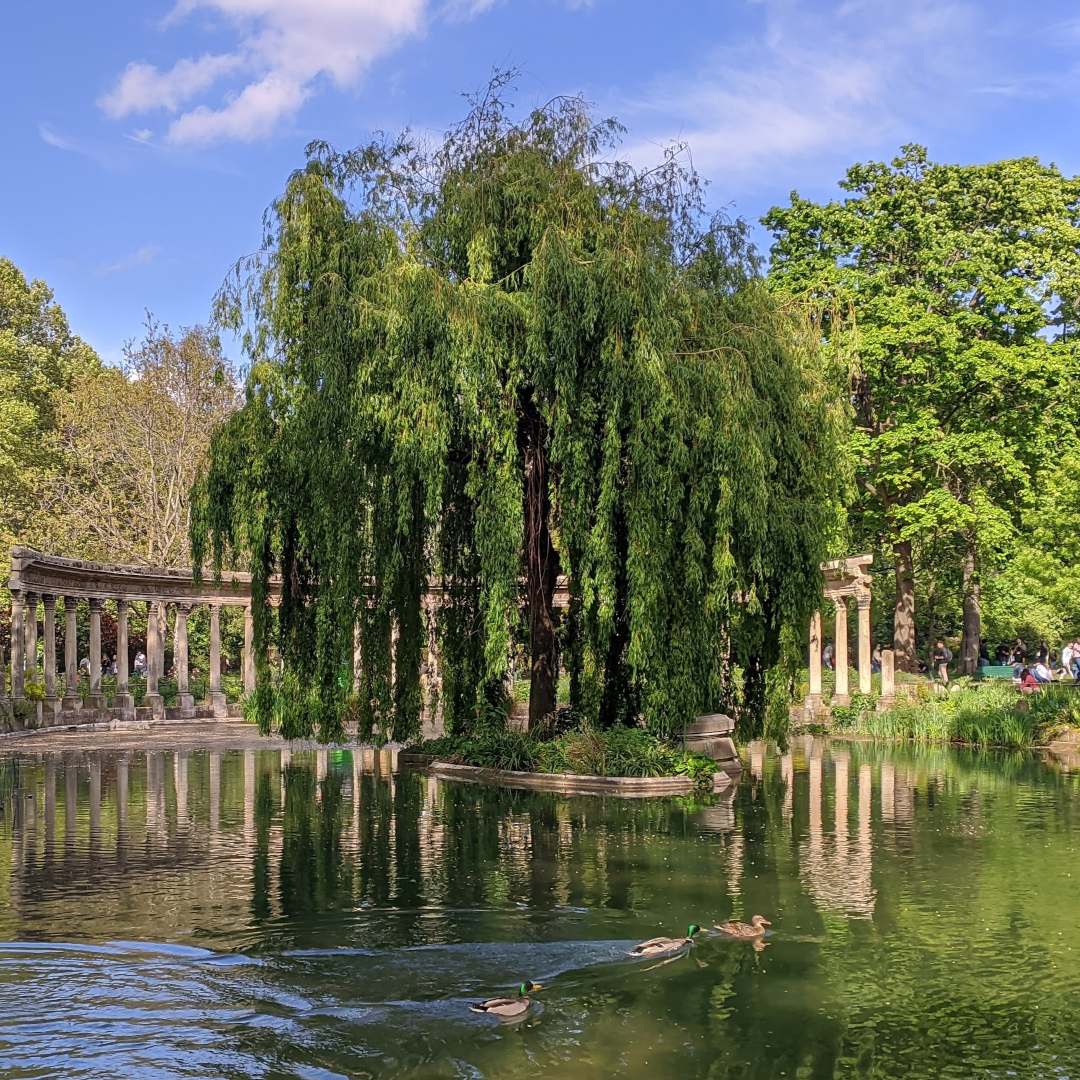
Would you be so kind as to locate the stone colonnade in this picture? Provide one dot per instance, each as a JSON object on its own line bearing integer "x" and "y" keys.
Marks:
{"x": 38, "y": 579}
{"x": 847, "y": 580}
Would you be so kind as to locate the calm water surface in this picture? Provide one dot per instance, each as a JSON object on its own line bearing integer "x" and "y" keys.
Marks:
{"x": 266, "y": 912}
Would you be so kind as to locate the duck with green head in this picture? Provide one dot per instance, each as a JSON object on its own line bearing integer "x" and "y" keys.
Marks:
{"x": 508, "y": 1008}
{"x": 665, "y": 946}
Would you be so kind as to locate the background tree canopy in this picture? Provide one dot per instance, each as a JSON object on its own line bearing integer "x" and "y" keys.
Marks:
{"x": 963, "y": 282}
{"x": 499, "y": 359}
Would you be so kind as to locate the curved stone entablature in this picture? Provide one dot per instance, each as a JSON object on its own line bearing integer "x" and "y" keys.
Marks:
{"x": 50, "y": 574}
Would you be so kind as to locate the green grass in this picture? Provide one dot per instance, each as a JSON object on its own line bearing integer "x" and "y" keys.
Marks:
{"x": 979, "y": 714}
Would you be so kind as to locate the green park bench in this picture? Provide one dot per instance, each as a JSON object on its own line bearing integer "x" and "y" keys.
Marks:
{"x": 996, "y": 671}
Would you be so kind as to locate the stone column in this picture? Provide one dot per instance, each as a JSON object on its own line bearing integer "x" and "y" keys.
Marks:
{"x": 71, "y": 656}
{"x": 30, "y": 623}
{"x": 125, "y": 701}
{"x": 217, "y": 699}
{"x": 840, "y": 653}
{"x": 18, "y": 644}
{"x": 180, "y": 658}
{"x": 249, "y": 651}
{"x": 154, "y": 660}
{"x": 52, "y": 702}
{"x": 96, "y": 700}
{"x": 813, "y": 700}
{"x": 864, "y": 644}
{"x": 888, "y": 676}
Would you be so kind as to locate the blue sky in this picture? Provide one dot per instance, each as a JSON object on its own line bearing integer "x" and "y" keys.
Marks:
{"x": 143, "y": 140}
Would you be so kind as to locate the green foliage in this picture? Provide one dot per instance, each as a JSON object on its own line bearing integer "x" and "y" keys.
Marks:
{"x": 979, "y": 714}
{"x": 583, "y": 751}
{"x": 435, "y": 330}
{"x": 947, "y": 292}
{"x": 39, "y": 360}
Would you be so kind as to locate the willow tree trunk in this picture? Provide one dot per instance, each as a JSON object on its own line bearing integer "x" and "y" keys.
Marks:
{"x": 541, "y": 566}
{"x": 969, "y": 645}
{"x": 904, "y": 612}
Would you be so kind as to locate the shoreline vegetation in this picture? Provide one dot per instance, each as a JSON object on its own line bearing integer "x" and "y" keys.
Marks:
{"x": 976, "y": 714}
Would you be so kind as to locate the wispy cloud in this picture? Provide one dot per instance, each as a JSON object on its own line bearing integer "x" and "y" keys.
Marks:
{"x": 143, "y": 256}
{"x": 840, "y": 78}
{"x": 73, "y": 144}
{"x": 283, "y": 49}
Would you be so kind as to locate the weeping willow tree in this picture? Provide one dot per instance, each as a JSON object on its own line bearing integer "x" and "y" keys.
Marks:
{"x": 497, "y": 362}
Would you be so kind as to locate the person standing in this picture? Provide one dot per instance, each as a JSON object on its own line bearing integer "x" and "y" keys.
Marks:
{"x": 942, "y": 656}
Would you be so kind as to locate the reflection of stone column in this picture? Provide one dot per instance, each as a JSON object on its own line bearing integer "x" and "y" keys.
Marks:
{"x": 888, "y": 676}
{"x": 215, "y": 792}
{"x": 121, "y": 797}
{"x": 180, "y": 784}
{"x": 217, "y": 699}
{"x": 864, "y": 644}
{"x": 813, "y": 702}
{"x": 814, "y": 767}
{"x": 322, "y": 759}
{"x": 31, "y": 634}
{"x": 124, "y": 700}
{"x": 96, "y": 700}
{"x": 180, "y": 658}
{"x": 18, "y": 644}
{"x": 71, "y": 655}
{"x": 71, "y": 801}
{"x": 95, "y": 800}
{"x": 757, "y": 759}
{"x": 249, "y": 651}
{"x": 787, "y": 775}
{"x": 154, "y": 662}
{"x": 888, "y": 791}
{"x": 48, "y": 628}
{"x": 840, "y": 795}
{"x": 866, "y": 785}
{"x": 50, "y": 805}
{"x": 249, "y": 796}
{"x": 840, "y": 652}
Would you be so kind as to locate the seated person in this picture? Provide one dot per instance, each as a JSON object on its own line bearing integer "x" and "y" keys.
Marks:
{"x": 1042, "y": 673}
{"x": 1028, "y": 682}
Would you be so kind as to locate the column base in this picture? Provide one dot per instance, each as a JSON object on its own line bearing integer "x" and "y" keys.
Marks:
{"x": 867, "y": 689}
{"x": 841, "y": 699}
{"x": 96, "y": 701}
{"x": 125, "y": 705}
{"x": 187, "y": 706}
{"x": 813, "y": 704}
{"x": 156, "y": 704}
{"x": 218, "y": 705}
{"x": 71, "y": 704}
{"x": 52, "y": 711}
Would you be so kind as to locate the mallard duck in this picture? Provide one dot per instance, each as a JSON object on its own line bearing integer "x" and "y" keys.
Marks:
{"x": 664, "y": 946}
{"x": 755, "y": 928}
{"x": 508, "y": 1008}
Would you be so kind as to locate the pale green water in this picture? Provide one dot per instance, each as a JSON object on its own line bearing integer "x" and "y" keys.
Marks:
{"x": 229, "y": 915}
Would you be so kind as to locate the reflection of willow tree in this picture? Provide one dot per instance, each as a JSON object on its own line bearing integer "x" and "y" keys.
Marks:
{"x": 264, "y": 813}
{"x": 313, "y": 877}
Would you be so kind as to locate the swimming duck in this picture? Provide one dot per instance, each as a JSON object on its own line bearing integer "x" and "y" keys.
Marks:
{"x": 755, "y": 928}
{"x": 508, "y": 1008}
{"x": 664, "y": 946}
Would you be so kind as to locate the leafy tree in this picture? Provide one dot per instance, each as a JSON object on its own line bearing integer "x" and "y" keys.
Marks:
{"x": 132, "y": 440}
{"x": 40, "y": 358}
{"x": 499, "y": 359}
{"x": 943, "y": 283}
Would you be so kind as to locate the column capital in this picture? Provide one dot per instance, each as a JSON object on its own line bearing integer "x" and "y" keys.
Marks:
{"x": 185, "y": 607}
{"x": 122, "y": 604}
{"x": 48, "y": 599}
{"x": 863, "y": 600}
{"x": 840, "y": 602}
{"x": 96, "y": 603}
{"x": 18, "y": 595}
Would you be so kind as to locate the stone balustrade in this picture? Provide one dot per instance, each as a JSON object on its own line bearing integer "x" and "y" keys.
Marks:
{"x": 43, "y": 580}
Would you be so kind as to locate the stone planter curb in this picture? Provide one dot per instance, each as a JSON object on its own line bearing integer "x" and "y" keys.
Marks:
{"x": 627, "y": 787}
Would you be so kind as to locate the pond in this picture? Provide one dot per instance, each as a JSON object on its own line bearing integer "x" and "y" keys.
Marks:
{"x": 263, "y": 911}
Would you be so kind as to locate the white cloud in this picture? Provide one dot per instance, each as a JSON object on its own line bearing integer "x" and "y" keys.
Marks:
{"x": 841, "y": 78}
{"x": 283, "y": 47}
{"x": 143, "y": 256}
{"x": 143, "y": 88}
